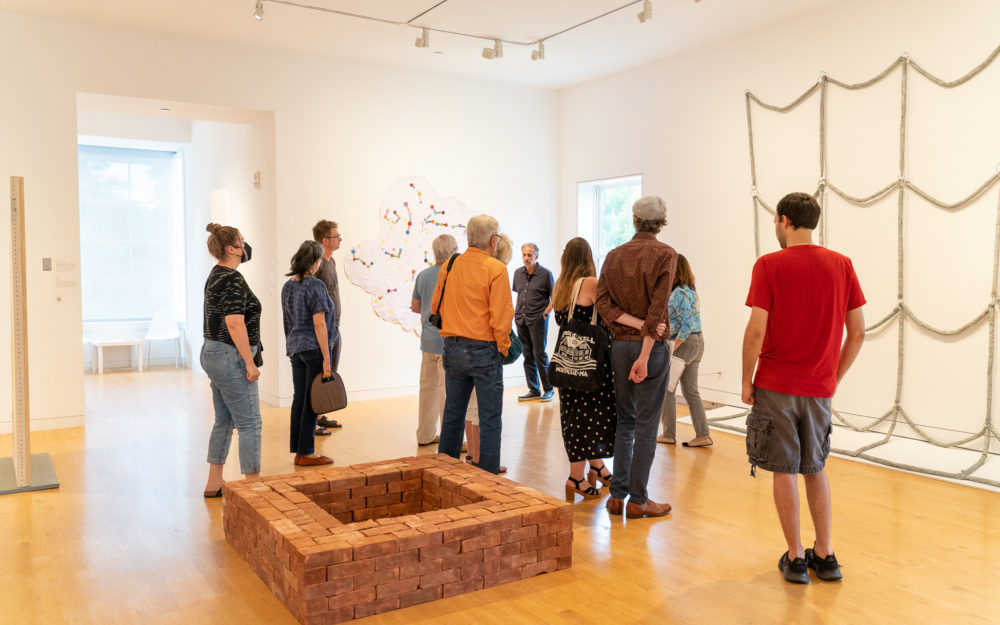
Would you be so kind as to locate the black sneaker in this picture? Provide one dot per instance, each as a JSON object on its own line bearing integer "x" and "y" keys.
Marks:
{"x": 827, "y": 569}
{"x": 548, "y": 395}
{"x": 795, "y": 571}
{"x": 532, "y": 396}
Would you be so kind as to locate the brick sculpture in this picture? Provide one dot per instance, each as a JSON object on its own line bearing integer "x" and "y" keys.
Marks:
{"x": 340, "y": 543}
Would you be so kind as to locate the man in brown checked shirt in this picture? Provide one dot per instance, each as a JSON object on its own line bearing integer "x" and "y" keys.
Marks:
{"x": 636, "y": 279}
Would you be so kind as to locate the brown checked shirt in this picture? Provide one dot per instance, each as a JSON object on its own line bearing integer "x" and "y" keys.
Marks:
{"x": 637, "y": 278}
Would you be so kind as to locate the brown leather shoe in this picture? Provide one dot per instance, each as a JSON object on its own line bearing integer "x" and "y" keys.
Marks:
{"x": 650, "y": 508}
{"x": 615, "y": 505}
{"x": 306, "y": 461}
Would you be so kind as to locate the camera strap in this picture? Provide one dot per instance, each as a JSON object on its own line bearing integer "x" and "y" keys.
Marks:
{"x": 444, "y": 285}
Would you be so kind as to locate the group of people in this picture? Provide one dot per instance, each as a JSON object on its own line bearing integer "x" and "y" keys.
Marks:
{"x": 232, "y": 352}
{"x": 801, "y": 298}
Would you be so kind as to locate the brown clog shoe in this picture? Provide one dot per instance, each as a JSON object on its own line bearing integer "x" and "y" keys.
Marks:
{"x": 306, "y": 461}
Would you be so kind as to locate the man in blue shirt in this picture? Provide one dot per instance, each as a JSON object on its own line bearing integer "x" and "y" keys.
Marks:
{"x": 533, "y": 285}
{"x": 431, "y": 345}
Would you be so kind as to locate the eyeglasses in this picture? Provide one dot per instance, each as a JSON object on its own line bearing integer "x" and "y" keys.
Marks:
{"x": 338, "y": 237}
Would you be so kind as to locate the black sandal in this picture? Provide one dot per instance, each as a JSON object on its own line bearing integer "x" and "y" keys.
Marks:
{"x": 595, "y": 475}
{"x": 588, "y": 493}
{"x": 322, "y": 431}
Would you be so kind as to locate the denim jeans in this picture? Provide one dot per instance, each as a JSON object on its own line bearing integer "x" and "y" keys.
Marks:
{"x": 638, "y": 408}
{"x": 471, "y": 364}
{"x": 690, "y": 352}
{"x": 305, "y": 367}
{"x": 536, "y": 362}
{"x": 237, "y": 405}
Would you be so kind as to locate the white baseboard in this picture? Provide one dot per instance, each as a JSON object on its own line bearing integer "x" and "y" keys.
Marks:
{"x": 49, "y": 423}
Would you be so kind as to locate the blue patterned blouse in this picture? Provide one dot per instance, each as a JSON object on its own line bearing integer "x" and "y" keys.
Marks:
{"x": 685, "y": 314}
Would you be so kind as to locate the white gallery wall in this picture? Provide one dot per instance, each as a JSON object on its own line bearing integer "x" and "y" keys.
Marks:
{"x": 342, "y": 133}
{"x": 682, "y": 123}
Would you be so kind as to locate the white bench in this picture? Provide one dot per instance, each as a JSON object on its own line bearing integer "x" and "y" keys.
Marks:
{"x": 100, "y": 344}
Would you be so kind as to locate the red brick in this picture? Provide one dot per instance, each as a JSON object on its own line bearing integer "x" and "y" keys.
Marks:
{"x": 373, "y": 546}
{"x": 405, "y": 485}
{"x": 370, "y": 513}
{"x": 383, "y": 500}
{"x": 344, "y": 506}
{"x": 361, "y": 595}
{"x": 545, "y": 566}
{"x": 565, "y": 538}
{"x": 383, "y": 477}
{"x": 554, "y": 553}
{"x": 418, "y": 540}
{"x": 314, "y": 576}
{"x": 421, "y": 595}
{"x": 420, "y": 568}
{"x": 347, "y": 482}
{"x": 350, "y": 569}
{"x": 395, "y": 560}
{"x": 328, "y": 554}
{"x": 328, "y": 589}
{"x": 440, "y": 577}
{"x": 481, "y": 542}
{"x": 394, "y": 589}
{"x": 502, "y": 521}
{"x": 540, "y": 514}
{"x": 330, "y": 617}
{"x": 412, "y": 507}
{"x": 439, "y": 551}
{"x": 376, "y": 607}
{"x": 413, "y": 496}
{"x": 564, "y": 563}
{"x": 461, "y": 530}
{"x": 519, "y": 534}
{"x": 502, "y": 577}
{"x": 378, "y": 577}
{"x": 463, "y": 559}
{"x": 368, "y": 491}
{"x": 458, "y": 588}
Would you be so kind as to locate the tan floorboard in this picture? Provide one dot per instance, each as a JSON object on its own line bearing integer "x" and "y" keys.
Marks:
{"x": 127, "y": 538}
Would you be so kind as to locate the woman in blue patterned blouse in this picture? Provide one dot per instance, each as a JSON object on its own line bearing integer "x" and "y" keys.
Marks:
{"x": 310, "y": 332}
{"x": 685, "y": 332}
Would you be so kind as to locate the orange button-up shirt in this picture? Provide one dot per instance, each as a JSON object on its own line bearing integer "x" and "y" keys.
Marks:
{"x": 477, "y": 303}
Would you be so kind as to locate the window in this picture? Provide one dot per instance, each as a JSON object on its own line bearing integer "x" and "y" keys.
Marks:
{"x": 131, "y": 233}
{"x": 605, "y": 213}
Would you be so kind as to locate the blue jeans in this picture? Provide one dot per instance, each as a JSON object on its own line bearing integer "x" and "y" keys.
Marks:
{"x": 236, "y": 405}
{"x": 305, "y": 367}
{"x": 472, "y": 364}
{"x": 638, "y": 407}
{"x": 536, "y": 362}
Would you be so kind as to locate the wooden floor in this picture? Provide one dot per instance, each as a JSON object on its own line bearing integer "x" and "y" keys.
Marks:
{"x": 128, "y": 538}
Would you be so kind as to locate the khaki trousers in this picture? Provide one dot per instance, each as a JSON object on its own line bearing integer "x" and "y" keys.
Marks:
{"x": 431, "y": 397}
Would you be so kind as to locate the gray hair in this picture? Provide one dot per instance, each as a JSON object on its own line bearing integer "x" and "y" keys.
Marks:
{"x": 444, "y": 246}
{"x": 531, "y": 245}
{"x": 480, "y": 230}
{"x": 504, "y": 249}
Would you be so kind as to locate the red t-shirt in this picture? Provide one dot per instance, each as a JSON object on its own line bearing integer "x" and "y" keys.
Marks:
{"x": 807, "y": 291}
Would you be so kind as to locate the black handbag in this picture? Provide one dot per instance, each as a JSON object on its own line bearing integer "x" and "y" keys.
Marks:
{"x": 327, "y": 394}
{"x": 582, "y": 353}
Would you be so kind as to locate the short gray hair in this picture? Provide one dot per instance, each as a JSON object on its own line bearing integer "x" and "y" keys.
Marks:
{"x": 444, "y": 246}
{"x": 480, "y": 230}
{"x": 531, "y": 245}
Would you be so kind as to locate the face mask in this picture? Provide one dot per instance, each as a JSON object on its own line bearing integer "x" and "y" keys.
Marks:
{"x": 247, "y": 252}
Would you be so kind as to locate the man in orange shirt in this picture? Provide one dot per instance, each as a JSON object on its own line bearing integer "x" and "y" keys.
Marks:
{"x": 473, "y": 303}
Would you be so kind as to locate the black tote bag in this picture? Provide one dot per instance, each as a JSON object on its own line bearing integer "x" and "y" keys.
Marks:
{"x": 582, "y": 352}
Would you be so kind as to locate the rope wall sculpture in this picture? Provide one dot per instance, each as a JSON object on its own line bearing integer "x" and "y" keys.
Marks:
{"x": 901, "y": 312}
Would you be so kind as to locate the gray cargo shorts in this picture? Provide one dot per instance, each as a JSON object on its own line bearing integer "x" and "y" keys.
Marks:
{"x": 788, "y": 433}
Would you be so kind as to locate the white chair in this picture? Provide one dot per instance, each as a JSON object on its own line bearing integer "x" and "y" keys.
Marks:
{"x": 163, "y": 327}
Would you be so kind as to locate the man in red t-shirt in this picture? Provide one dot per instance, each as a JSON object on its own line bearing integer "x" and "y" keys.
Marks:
{"x": 801, "y": 299}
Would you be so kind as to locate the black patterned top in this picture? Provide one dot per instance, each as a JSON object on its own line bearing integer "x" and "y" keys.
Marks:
{"x": 227, "y": 293}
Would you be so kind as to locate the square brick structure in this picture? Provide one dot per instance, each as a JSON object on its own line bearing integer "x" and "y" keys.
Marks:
{"x": 339, "y": 543}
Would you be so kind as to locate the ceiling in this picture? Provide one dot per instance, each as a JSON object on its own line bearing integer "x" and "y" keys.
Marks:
{"x": 603, "y": 46}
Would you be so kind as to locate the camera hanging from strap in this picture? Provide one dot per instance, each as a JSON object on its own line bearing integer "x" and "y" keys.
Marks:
{"x": 435, "y": 317}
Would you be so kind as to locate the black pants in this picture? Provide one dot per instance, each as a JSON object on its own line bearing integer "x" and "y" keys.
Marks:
{"x": 536, "y": 362}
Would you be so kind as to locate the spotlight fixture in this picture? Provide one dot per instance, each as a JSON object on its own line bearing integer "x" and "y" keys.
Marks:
{"x": 496, "y": 52}
{"x": 258, "y": 12}
{"x": 647, "y": 11}
{"x": 539, "y": 54}
{"x": 424, "y": 40}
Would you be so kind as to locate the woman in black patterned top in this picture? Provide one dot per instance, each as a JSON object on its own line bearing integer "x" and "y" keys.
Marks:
{"x": 232, "y": 338}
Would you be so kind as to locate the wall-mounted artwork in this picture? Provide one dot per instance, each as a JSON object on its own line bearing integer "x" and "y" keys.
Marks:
{"x": 411, "y": 216}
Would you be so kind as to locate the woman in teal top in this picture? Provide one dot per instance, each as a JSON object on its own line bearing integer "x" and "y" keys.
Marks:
{"x": 685, "y": 332}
